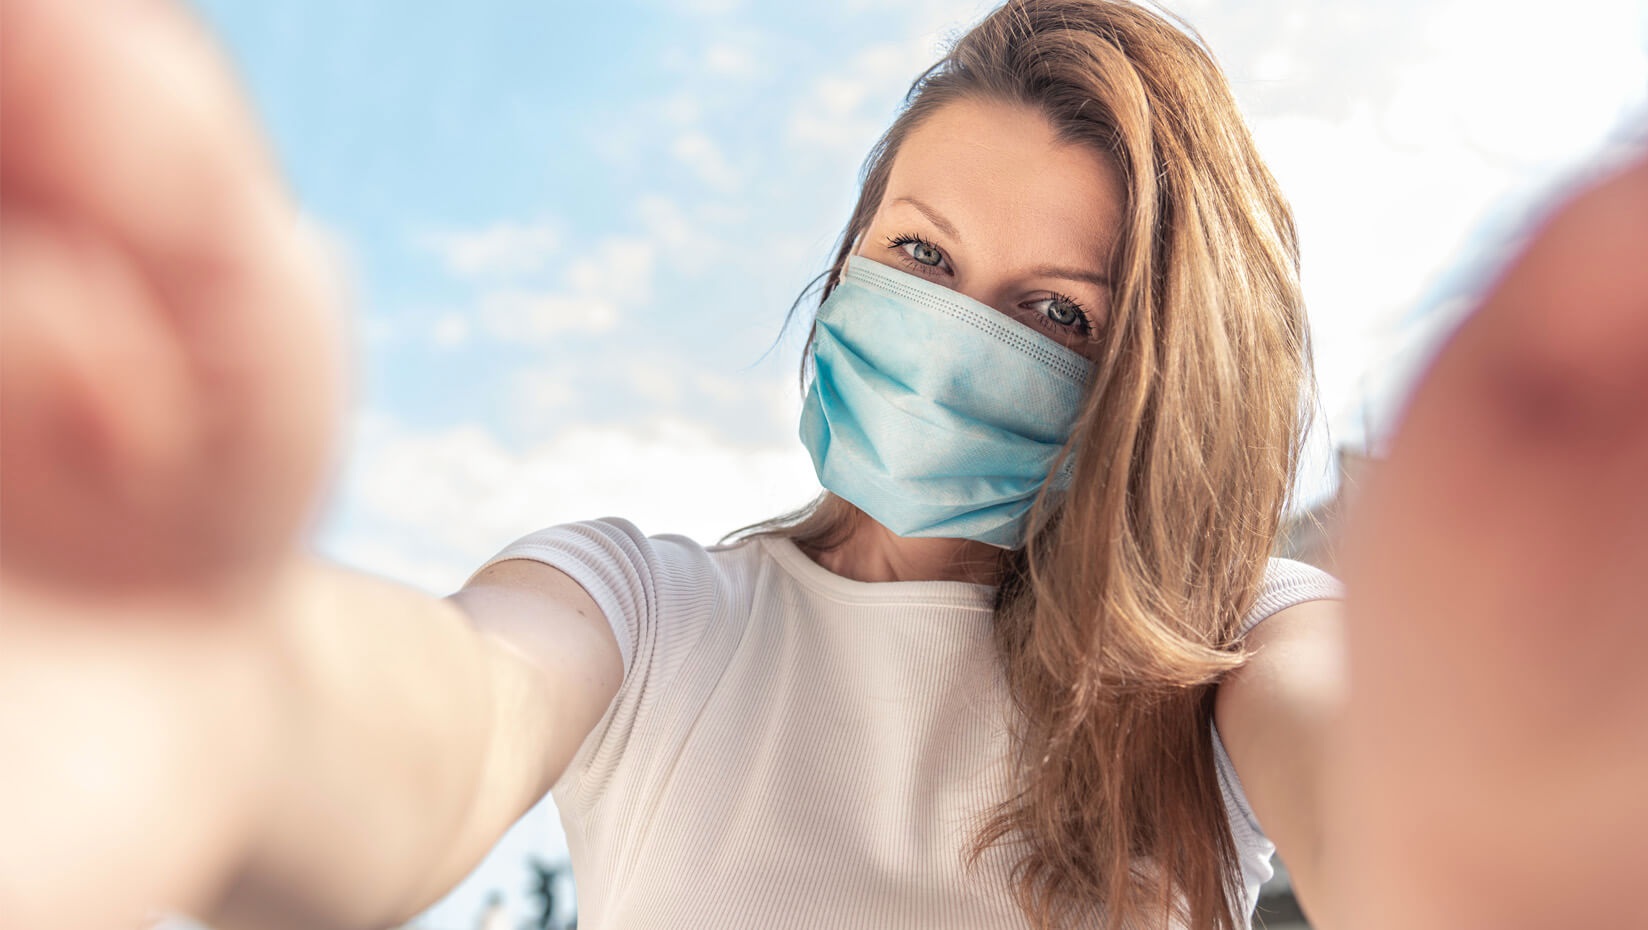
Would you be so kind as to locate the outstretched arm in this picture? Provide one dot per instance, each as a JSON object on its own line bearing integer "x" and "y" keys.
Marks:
{"x": 1497, "y": 727}
{"x": 416, "y": 732}
{"x": 1466, "y": 746}
{"x": 194, "y": 715}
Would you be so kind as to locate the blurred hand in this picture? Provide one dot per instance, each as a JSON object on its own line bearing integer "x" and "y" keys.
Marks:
{"x": 1497, "y": 736}
{"x": 168, "y": 391}
{"x": 169, "y": 370}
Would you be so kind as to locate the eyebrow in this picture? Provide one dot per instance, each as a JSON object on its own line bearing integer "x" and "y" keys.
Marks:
{"x": 1042, "y": 271}
{"x": 1072, "y": 274}
{"x": 933, "y": 216}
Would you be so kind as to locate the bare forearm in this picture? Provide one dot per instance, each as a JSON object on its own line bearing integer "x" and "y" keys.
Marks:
{"x": 338, "y": 757}
{"x": 138, "y": 739}
{"x": 388, "y": 701}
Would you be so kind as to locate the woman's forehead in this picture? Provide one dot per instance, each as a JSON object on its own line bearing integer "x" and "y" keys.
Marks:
{"x": 999, "y": 172}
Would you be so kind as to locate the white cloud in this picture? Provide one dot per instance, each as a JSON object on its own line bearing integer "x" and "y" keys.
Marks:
{"x": 681, "y": 108}
{"x": 703, "y": 155}
{"x": 727, "y": 51}
{"x": 596, "y": 287}
{"x": 431, "y": 506}
{"x": 720, "y": 388}
{"x": 686, "y": 242}
{"x": 730, "y": 60}
{"x": 449, "y": 332}
{"x": 757, "y": 406}
{"x": 845, "y": 111}
{"x": 498, "y": 250}
{"x": 658, "y": 384}
{"x": 527, "y": 316}
{"x": 1274, "y": 65}
{"x": 535, "y": 392}
{"x": 708, "y": 8}
{"x": 1530, "y": 89}
{"x": 921, "y": 15}
{"x": 1412, "y": 137}
{"x": 619, "y": 269}
{"x": 372, "y": 331}
{"x": 664, "y": 220}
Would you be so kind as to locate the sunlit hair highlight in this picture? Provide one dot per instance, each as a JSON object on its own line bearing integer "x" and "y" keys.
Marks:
{"x": 1121, "y": 613}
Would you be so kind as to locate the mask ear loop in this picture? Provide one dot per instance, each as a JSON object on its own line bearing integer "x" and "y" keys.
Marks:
{"x": 852, "y": 255}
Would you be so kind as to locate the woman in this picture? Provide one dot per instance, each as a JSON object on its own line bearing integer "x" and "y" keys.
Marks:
{"x": 813, "y": 726}
{"x": 984, "y": 681}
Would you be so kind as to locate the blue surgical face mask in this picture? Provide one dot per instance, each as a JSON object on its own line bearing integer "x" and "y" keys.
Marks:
{"x": 933, "y": 413}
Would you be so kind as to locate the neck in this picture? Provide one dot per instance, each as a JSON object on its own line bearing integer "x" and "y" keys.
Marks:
{"x": 872, "y": 553}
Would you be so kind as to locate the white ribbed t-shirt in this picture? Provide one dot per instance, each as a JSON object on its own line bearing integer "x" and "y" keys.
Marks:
{"x": 794, "y": 749}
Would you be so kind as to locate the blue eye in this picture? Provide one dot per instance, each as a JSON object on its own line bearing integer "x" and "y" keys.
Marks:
{"x": 926, "y": 254}
{"x": 918, "y": 250}
{"x": 1063, "y": 311}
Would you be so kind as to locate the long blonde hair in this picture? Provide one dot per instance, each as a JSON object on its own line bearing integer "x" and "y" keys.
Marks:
{"x": 1118, "y": 617}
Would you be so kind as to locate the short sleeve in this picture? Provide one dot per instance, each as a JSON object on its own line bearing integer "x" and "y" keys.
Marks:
{"x": 1286, "y": 584}
{"x": 658, "y": 594}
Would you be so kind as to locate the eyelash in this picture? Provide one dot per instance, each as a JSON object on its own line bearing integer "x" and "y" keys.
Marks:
{"x": 897, "y": 244}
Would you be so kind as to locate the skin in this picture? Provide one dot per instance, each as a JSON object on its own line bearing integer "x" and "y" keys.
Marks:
{"x": 183, "y": 699}
{"x": 1495, "y": 748}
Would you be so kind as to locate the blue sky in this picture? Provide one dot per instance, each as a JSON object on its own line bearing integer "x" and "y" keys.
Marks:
{"x": 572, "y": 231}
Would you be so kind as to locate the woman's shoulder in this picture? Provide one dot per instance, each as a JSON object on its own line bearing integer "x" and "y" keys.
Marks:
{"x": 1288, "y": 583}
{"x": 1276, "y": 715}
{"x": 616, "y": 543}
{"x": 1294, "y": 633}
{"x": 639, "y": 577}
{"x": 1293, "y": 681}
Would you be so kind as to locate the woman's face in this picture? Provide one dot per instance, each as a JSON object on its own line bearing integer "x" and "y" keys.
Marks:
{"x": 984, "y": 199}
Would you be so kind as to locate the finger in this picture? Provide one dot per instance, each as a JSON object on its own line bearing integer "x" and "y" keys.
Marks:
{"x": 97, "y": 404}
{"x": 1497, "y": 582}
{"x": 121, "y": 112}
{"x": 125, "y": 137}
